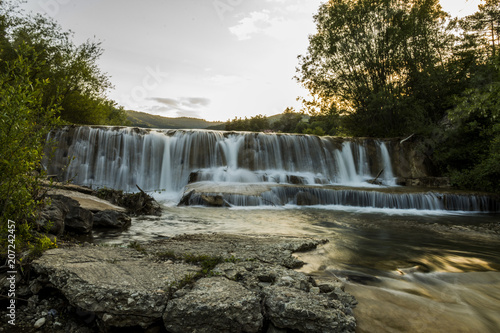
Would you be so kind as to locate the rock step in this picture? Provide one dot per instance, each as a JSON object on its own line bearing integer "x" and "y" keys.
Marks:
{"x": 249, "y": 287}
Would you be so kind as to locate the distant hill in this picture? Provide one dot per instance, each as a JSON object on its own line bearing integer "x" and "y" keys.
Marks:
{"x": 146, "y": 120}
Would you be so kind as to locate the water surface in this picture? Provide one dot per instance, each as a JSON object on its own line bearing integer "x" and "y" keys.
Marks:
{"x": 411, "y": 271}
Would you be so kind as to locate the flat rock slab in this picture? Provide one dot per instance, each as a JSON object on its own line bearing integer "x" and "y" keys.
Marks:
{"x": 254, "y": 289}
{"x": 119, "y": 285}
{"x": 269, "y": 249}
{"x": 87, "y": 201}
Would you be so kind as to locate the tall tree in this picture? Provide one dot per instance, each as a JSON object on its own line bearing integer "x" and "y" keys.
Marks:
{"x": 75, "y": 80}
{"x": 470, "y": 150}
{"x": 374, "y": 62}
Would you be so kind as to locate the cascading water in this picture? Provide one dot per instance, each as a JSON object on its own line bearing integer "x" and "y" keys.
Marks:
{"x": 295, "y": 169}
{"x": 387, "y": 174}
{"x": 163, "y": 160}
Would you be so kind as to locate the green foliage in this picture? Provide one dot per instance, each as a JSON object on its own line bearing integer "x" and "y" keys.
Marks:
{"x": 24, "y": 124}
{"x": 258, "y": 123}
{"x": 72, "y": 76}
{"x": 206, "y": 262}
{"x": 375, "y": 63}
{"x": 470, "y": 149}
{"x": 40, "y": 245}
{"x": 470, "y": 153}
{"x": 147, "y": 120}
{"x": 287, "y": 122}
{"x": 393, "y": 68}
{"x": 43, "y": 76}
{"x": 138, "y": 247}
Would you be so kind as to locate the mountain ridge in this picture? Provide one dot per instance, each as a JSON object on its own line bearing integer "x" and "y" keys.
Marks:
{"x": 146, "y": 120}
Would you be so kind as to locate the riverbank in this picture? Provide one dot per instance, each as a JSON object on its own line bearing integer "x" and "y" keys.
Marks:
{"x": 202, "y": 283}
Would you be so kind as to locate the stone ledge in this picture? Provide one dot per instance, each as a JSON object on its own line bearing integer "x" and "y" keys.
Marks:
{"x": 125, "y": 287}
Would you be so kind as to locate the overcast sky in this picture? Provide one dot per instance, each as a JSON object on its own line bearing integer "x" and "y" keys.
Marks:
{"x": 211, "y": 59}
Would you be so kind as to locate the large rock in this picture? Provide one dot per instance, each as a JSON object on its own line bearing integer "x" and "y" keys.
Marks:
{"x": 86, "y": 200}
{"x": 65, "y": 214}
{"x": 307, "y": 311}
{"x": 78, "y": 219}
{"x": 247, "y": 287}
{"x": 139, "y": 203}
{"x": 215, "y": 305}
{"x": 52, "y": 216}
{"x": 293, "y": 300}
{"x": 265, "y": 248}
{"x": 119, "y": 285}
{"x": 111, "y": 219}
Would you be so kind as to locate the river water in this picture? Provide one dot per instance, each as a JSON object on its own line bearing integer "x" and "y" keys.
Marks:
{"x": 411, "y": 271}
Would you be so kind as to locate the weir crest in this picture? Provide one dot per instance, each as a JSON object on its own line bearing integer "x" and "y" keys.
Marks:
{"x": 288, "y": 169}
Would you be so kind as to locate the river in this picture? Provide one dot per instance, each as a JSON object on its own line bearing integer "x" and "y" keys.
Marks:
{"x": 411, "y": 271}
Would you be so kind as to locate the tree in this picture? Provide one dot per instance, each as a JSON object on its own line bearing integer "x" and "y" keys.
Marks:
{"x": 470, "y": 150}
{"x": 378, "y": 64}
{"x": 24, "y": 125}
{"x": 41, "y": 74}
{"x": 288, "y": 122}
{"x": 74, "y": 78}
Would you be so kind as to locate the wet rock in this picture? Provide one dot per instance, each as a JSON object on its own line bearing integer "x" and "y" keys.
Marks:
{"x": 269, "y": 249}
{"x": 215, "y": 305}
{"x": 186, "y": 198}
{"x": 111, "y": 219}
{"x": 295, "y": 180}
{"x": 306, "y": 199}
{"x": 102, "y": 281}
{"x": 213, "y": 200}
{"x": 79, "y": 220}
{"x": 292, "y": 299}
{"x": 194, "y": 177}
{"x": 306, "y": 312}
{"x": 65, "y": 213}
{"x": 432, "y": 182}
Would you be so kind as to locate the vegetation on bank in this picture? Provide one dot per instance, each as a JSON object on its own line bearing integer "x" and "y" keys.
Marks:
{"x": 45, "y": 81}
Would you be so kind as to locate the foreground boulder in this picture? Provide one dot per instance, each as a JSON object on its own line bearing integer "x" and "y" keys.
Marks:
{"x": 118, "y": 285}
{"x": 200, "y": 283}
{"x": 214, "y": 305}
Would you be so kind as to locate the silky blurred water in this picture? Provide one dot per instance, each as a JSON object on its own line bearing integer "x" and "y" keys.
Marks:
{"x": 411, "y": 271}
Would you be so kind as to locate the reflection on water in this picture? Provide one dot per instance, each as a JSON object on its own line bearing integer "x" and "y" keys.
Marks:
{"x": 410, "y": 273}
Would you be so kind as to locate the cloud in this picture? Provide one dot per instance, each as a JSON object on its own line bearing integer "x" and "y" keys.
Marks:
{"x": 182, "y": 103}
{"x": 180, "y": 107}
{"x": 279, "y": 22}
{"x": 256, "y": 22}
{"x": 224, "y": 80}
{"x": 169, "y": 112}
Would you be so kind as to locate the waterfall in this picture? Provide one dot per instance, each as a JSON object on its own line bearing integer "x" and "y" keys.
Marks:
{"x": 387, "y": 175}
{"x": 168, "y": 161}
{"x": 307, "y": 196}
{"x": 164, "y": 160}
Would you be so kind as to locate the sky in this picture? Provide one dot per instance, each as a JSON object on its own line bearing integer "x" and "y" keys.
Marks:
{"x": 210, "y": 59}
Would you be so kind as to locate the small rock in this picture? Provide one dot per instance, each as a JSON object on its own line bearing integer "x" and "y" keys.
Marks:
{"x": 106, "y": 317}
{"x": 39, "y": 323}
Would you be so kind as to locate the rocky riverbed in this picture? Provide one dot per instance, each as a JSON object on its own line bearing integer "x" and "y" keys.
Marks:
{"x": 189, "y": 283}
